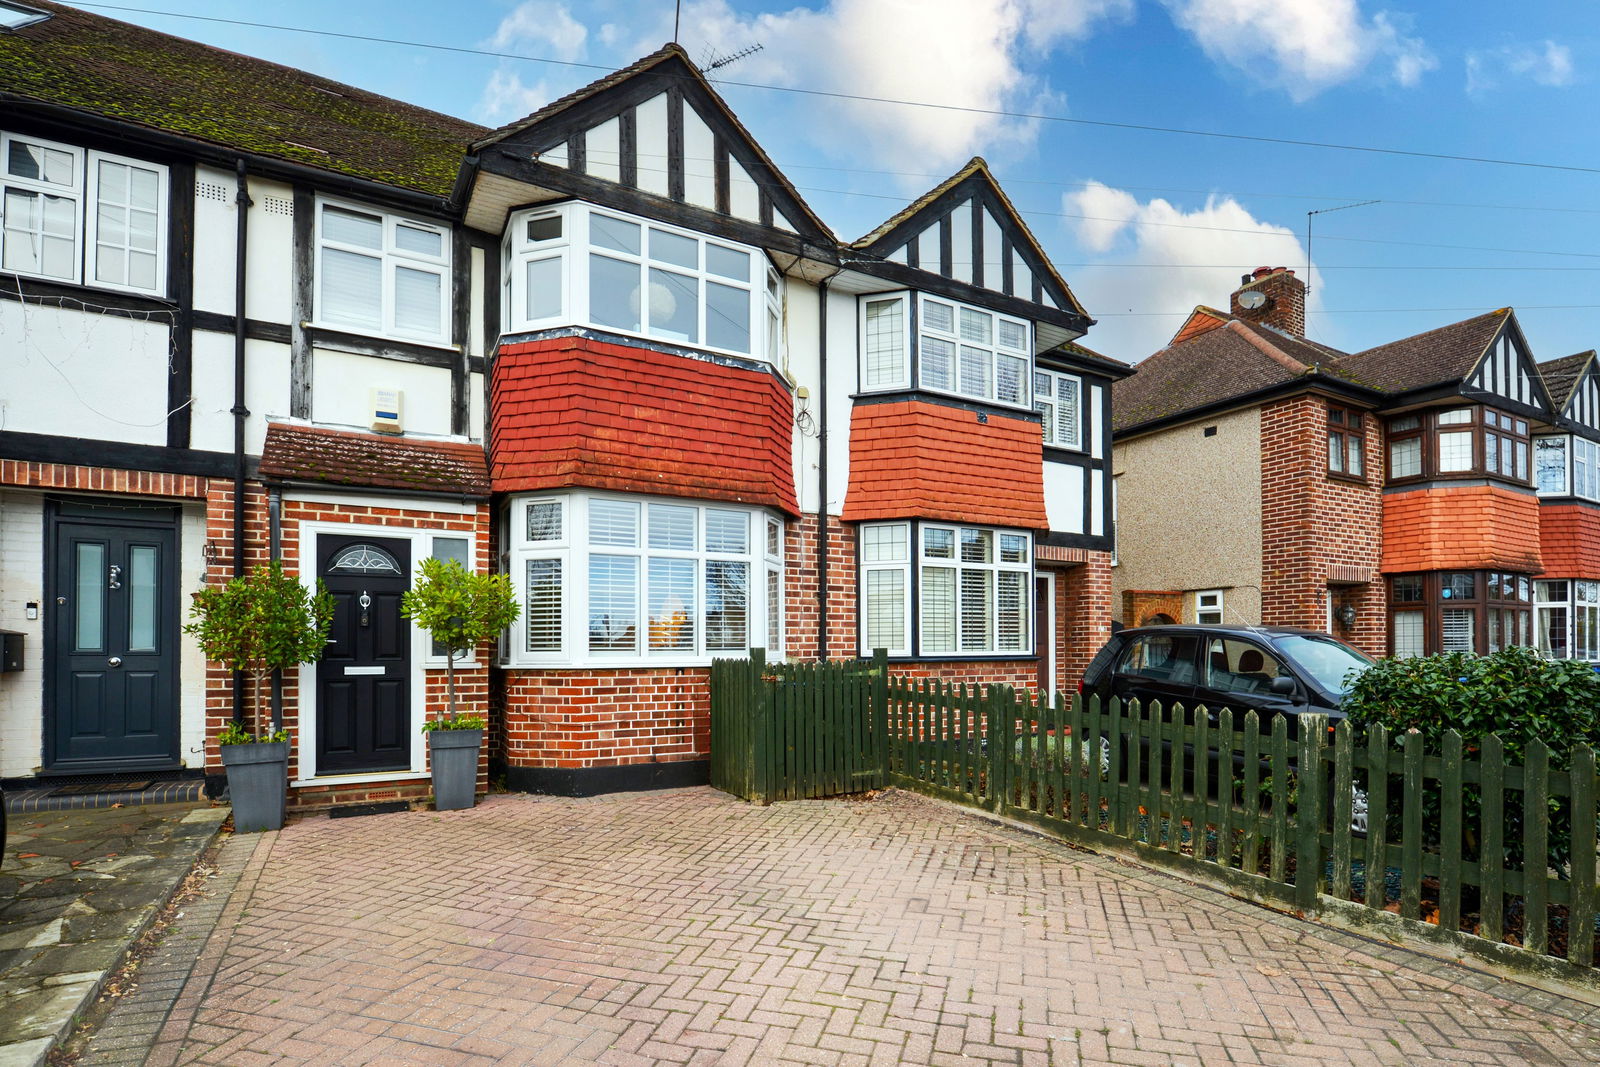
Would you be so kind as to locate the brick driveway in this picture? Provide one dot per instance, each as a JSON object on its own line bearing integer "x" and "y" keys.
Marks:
{"x": 688, "y": 927}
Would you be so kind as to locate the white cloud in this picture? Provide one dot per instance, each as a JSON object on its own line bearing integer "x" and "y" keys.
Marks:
{"x": 540, "y": 28}
{"x": 1549, "y": 64}
{"x": 1303, "y": 46}
{"x": 1165, "y": 260}
{"x": 969, "y": 54}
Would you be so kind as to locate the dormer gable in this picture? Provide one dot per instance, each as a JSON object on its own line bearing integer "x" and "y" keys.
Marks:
{"x": 1506, "y": 372}
{"x": 1574, "y": 385}
{"x": 656, "y": 128}
{"x": 965, "y": 230}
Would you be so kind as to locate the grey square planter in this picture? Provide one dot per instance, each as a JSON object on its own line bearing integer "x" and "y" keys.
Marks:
{"x": 454, "y": 755}
{"x": 258, "y": 784}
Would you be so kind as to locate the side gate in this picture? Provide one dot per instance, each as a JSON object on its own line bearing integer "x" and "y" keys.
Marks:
{"x": 792, "y": 731}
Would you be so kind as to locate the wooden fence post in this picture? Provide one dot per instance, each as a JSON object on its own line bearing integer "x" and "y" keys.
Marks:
{"x": 880, "y": 715}
{"x": 760, "y": 728}
{"x": 1308, "y": 814}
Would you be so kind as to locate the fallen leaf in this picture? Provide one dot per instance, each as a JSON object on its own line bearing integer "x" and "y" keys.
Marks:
{"x": 1270, "y": 972}
{"x": 27, "y": 855}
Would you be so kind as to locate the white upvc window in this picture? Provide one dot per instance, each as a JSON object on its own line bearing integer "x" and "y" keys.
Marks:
{"x": 1059, "y": 400}
{"x": 1567, "y": 619}
{"x": 75, "y": 216}
{"x": 1208, "y": 606}
{"x": 382, "y": 274}
{"x": 973, "y": 589}
{"x": 578, "y": 265}
{"x": 1566, "y": 466}
{"x": 885, "y": 342}
{"x": 973, "y": 353}
{"x": 622, "y": 580}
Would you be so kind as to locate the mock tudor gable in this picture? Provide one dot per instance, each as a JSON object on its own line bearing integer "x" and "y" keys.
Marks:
{"x": 965, "y": 230}
{"x": 652, "y": 134}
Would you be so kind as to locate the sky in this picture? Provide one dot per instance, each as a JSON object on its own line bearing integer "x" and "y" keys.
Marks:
{"x": 1143, "y": 223}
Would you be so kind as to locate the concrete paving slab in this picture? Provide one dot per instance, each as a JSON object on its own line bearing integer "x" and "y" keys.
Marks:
{"x": 76, "y": 889}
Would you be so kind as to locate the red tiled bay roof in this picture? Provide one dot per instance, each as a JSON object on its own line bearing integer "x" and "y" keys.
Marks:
{"x": 339, "y": 457}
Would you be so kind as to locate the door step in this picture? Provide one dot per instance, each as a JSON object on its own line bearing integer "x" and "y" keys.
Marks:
{"x": 49, "y": 796}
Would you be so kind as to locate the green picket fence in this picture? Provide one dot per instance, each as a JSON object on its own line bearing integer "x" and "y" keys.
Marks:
{"x": 790, "y": 731}
{"x": 1454, "y": 839}
{"x": 1484, "y": 855}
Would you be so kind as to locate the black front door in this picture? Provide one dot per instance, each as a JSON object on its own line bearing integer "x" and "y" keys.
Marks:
{"x": 111, "y": 660}
{"x": 364, "y": 677}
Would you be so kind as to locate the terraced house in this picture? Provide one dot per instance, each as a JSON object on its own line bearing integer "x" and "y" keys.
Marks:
{"x": 1436, "y": 493}
{"x": 251, "y": 313}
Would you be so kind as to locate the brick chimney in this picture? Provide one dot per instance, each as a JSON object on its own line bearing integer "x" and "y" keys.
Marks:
{"x": 1285, "y": 305}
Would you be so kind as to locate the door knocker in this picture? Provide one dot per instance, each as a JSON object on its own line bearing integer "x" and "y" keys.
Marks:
{"x": 366, "y": 603}
{"x": 115, "y": 578}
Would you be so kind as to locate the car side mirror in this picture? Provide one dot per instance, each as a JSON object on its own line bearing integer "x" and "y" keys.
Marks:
{"x": 1281, "y": 686}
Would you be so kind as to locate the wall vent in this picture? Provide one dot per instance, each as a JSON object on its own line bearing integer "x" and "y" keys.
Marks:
{"x": 211, "y": 191}
{"x": 277, "y": 205}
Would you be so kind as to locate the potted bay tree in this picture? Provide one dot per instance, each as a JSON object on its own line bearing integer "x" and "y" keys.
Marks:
{"x": 461, "y": 610}
{"x": 260, "y": 622}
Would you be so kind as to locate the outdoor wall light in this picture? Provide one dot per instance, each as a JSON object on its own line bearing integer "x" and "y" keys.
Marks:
{"x": 1346, "y": 615}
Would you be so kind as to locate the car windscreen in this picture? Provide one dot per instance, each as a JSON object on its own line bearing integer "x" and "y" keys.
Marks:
{"x": 1332, "y": 664}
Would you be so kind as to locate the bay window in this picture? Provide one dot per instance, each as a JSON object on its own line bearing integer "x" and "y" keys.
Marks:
{"x": 382, "y": 274}
{"x": 933, "y": 589}
{"x": 577, "y": 265}
{"x": 1567, "y": 619}
{"x": 1567, "y": 466}
{"x": 951, "y": 348}
{"x": 72, "y": 215}
{"x": 1459, "y": 611}
{"x": 612, "y": 579}
{"x": 1457, "y": 441}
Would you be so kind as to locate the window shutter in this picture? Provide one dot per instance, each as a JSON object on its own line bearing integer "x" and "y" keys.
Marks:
{"x": 1458, "y": 630}
{"x": 544, "y": 605}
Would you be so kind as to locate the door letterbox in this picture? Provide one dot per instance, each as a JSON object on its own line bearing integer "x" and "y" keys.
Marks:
{"x": 10, "y": 650}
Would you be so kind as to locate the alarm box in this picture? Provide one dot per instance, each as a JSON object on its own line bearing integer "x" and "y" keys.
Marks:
{"x": 10, "y": 651}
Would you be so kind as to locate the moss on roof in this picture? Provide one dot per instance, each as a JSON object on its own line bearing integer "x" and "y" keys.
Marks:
{"x": 129, "y": 73}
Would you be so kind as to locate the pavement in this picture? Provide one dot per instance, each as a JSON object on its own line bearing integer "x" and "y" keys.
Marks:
{"x": 687, "y": 927}
{"x": 76, "y": 888}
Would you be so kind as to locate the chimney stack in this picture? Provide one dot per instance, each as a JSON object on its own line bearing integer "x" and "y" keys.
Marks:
{"x": 1272, "y": 296}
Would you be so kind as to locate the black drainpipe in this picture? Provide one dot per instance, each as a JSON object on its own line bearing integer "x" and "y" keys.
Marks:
{"x": 822, "y": 470}
{"x": 239, "y": 411}
{"x": 275, "y": 551}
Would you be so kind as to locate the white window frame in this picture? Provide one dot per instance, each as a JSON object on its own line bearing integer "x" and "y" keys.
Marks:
{"x": 993, "y": 348}
{"x": 1049, "y": 406}
{"x": 1579, "y": 597}
{"x": 1208, "y": 602}
{"x": 903, "y": 379}
{"x": 900, "y": 564}
{"x": 390, "y": 259}
{"x": 574, "y": 249}
{"x": 917, "y": 565}
{"x": 85, "y": 196}
{"x": 573, "y": 550}
{"x": 1565, "y": 442}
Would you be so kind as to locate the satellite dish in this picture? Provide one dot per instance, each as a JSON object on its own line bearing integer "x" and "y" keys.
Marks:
{"x": 1254, "y": 300}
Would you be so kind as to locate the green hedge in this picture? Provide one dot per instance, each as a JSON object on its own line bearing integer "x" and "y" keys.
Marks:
{"x": 1514, "y": 693}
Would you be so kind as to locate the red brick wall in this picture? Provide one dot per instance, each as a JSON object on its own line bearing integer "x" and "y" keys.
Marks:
{"x": 1141, "y": 606}
{"x": 100, "y": 479}
{"x": 1569, "y": 540}
{"x": 1083, "y": 617}
{"x": 431, "y": 703}
{"x": 1316, "y": 527}
{"x": 605, "y": 718}
{"x": 802, "y": 604}
{"x": 1461, "y": 528}
{"x": 571, "y": 411}
{"x": 912, "y": 458}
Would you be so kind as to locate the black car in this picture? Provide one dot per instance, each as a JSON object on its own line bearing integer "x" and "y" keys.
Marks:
{"x": 1268, "y": 669}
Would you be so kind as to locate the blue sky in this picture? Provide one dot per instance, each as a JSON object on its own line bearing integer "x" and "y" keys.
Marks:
{"x": 1143, "y": 225}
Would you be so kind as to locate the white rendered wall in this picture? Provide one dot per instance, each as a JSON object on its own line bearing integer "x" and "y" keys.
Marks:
{"x": 22, "y": 580}
{"x": 86, "y": 374}
{"x": 266, "y": 391}
{"x": 342, "y": 384}
{"x": 269, "y": 256}
{"x": 1063, "y": 497}
{"x": 475, "y": 407}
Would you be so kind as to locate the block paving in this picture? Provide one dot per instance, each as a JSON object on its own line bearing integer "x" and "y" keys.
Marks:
{"x": 686, "y": 927}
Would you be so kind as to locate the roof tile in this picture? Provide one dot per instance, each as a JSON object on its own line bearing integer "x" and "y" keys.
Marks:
{"x": 338, "y": 457}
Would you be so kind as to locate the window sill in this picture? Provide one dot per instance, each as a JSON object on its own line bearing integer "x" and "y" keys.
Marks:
{"x": 1349, "y": 479}
{"x": 957, "y": 657}
{"x": 335, "y": 330}
{"x": 632, "y": 664}
{"x": 323, "y": 781}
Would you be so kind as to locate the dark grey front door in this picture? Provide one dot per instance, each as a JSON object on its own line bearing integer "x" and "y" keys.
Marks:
{"x": 364, "y": 677}
{"x": 111, "y": 658}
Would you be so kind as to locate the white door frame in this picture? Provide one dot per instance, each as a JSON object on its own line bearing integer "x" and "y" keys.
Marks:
{"x": 1051, "y": 624}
